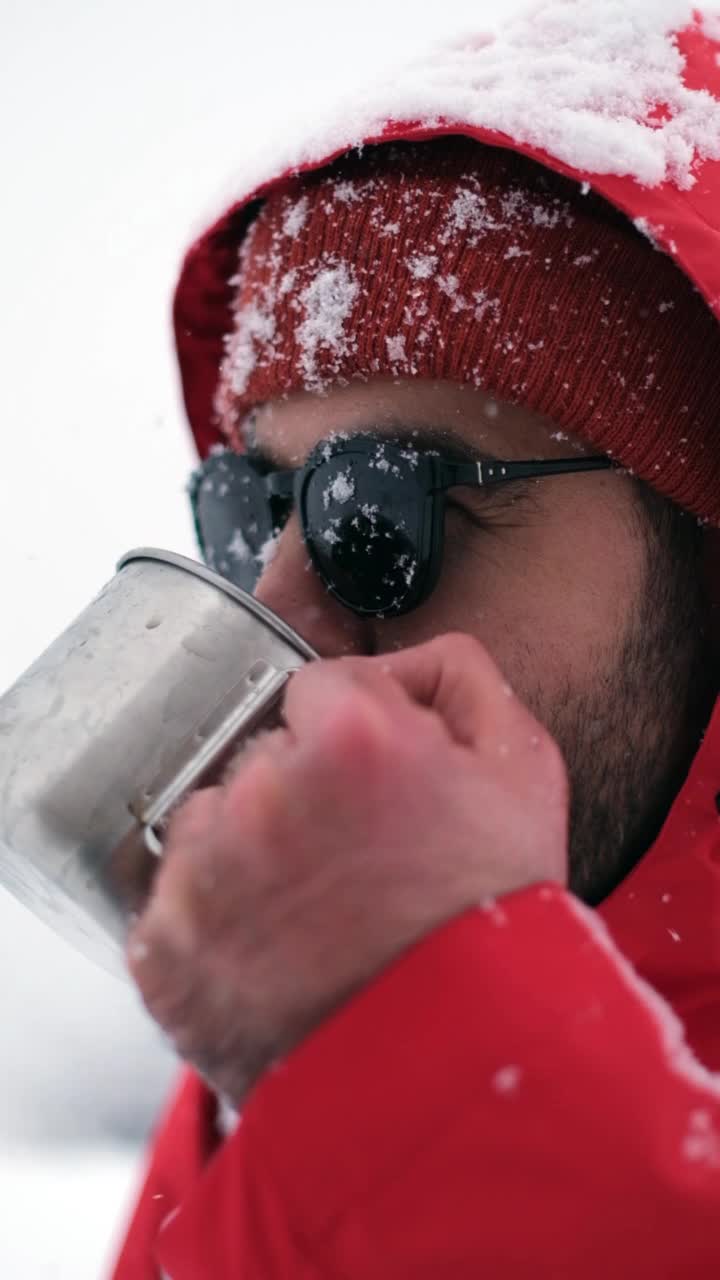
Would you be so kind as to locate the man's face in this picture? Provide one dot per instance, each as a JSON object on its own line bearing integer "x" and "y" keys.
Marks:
{"x": 550, "y": 575}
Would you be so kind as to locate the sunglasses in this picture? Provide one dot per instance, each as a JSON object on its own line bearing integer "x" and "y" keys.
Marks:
{"x": 371, "y": 510}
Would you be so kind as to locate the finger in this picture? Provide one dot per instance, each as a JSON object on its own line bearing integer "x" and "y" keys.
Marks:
{"x": 256, "y": 803}
{"x": 185, "y": 870}
{"x": 455, "y": 676}
{"x": 270, "y": 742}
{"x": 322, "y": 695}
{"x": 191, "y": 821}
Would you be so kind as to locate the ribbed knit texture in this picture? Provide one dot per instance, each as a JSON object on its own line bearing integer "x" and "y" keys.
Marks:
{"x": 449, "y": 260}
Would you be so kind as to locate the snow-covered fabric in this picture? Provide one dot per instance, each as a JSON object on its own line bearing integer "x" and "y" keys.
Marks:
{"x": 509, "y": 1099}
{"x": 457, "y": 261}
{"x": 582, "y": 55}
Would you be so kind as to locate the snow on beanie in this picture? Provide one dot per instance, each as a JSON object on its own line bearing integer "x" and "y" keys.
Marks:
{"x": 451, "y": 260}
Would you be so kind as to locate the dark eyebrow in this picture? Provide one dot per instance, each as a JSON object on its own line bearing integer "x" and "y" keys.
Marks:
{"x": 418, "y": 436}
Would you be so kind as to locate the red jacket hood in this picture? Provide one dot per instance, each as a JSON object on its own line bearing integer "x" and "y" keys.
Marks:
{"x": 666, "y": 914}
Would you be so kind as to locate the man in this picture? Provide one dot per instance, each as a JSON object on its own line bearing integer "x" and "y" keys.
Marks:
{"x": 370, "y": 940}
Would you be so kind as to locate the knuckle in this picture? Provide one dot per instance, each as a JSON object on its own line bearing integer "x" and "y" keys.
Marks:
{"x": 358, "y": 728}
{"x": 464, "y": 650}
{"x": 255, "y": 815}
{"x": 460, "y": 642}
{"x": 303, "y": 682}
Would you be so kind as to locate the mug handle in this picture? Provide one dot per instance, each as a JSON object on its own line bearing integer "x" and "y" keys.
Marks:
{"x": 203, "y": 752}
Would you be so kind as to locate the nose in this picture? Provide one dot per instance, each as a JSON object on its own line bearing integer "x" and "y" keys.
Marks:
{"x": 291, "y": 586}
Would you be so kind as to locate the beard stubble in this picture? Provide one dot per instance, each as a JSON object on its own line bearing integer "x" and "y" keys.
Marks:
{"x": 630, "y": 735}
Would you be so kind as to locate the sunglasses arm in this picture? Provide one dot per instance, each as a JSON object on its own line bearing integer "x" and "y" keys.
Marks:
{"x": 487, "y": 473}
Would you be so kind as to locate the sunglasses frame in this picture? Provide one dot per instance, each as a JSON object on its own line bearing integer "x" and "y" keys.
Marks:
{"x": 434, "y": 475}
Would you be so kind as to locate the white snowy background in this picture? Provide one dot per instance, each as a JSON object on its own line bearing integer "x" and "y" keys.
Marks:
{"x": 121, "y": 124}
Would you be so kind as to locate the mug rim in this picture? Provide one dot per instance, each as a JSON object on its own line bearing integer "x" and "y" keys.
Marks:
{"x": 261, "y": 611}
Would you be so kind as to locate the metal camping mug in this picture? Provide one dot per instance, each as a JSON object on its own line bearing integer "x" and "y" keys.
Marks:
{"x": 142, "y": 699}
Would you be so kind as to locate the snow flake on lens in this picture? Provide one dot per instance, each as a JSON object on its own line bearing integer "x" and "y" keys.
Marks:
{"x": 240, "y": 551}
{"x": 268, "y": 551}
{"x": 367, "y": 527}
{"x": 238, "y": 548}
{"x": 407, "y": 566}
{"x": 333, "y": 439}
{"x": 341, "y": 488}
{"x": 370, "y": 510}
{"x": 380, "y": 462}
{"x": 411, "y": 456}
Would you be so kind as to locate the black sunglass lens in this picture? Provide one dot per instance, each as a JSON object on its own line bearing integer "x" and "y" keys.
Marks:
{"x": 362, "y": 516}
{"x": 236, "y": 520}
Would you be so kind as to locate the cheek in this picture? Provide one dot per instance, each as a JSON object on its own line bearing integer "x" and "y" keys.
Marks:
{"x": 550, "y": 609}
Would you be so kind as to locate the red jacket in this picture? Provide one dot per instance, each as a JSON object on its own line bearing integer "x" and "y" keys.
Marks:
{"x": 515, "y": 1097}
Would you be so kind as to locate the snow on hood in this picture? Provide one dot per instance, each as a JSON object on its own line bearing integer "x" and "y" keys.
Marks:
{"x": 598, "y": 84}
{"x": 621, "y": 94}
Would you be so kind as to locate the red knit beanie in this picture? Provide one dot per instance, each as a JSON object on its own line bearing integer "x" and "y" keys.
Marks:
{"x": 450, "y": 260}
